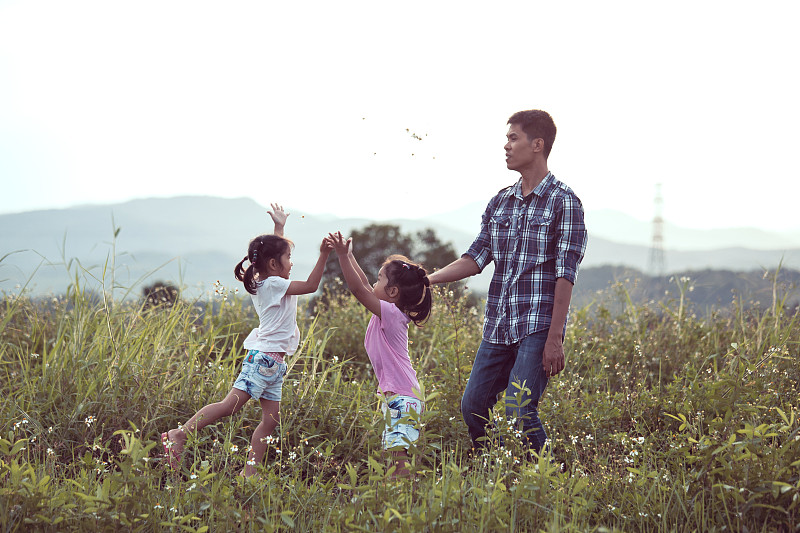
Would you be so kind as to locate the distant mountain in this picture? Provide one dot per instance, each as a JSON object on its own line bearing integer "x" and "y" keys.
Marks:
{"x": 704, "y": 290}
{"x": 195, "y": 240}
{"x": 623, "y": 228}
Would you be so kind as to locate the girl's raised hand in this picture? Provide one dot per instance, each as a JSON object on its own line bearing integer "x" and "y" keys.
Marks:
{"x": 278, "y": 215}
{"x": 339, "y": 243}
{"x": 326, "y": 246}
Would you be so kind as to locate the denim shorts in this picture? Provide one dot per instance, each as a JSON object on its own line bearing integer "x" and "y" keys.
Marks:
{"x": 400, "y": 431}
{"x": 261, "y": 376}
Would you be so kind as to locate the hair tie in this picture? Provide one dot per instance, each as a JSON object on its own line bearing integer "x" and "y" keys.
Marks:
{"x": 424, "y": 288}
{"x": 255, "y": 257}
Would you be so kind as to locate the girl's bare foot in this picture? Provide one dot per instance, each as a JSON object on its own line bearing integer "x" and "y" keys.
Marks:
{"x": 244, "y": 475}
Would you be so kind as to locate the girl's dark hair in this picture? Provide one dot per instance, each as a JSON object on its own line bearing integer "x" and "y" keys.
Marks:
{"x": 414, "y": 289}
{"x": 261, "y": 250}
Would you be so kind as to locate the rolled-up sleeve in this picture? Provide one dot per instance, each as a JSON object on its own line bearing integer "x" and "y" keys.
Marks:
{"x": 571, "y": 241}
{"x": 481, "y": 249}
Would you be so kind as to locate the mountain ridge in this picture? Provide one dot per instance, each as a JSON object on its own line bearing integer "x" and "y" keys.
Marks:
{"x": 200, "y": 238}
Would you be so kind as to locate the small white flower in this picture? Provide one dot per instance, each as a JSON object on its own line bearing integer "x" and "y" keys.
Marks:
{"x": 234, "y": 448}
{"x": 193, "y": 476}
{"x": 251, "y": 462}
{"x": 89, "y": 420}
{"x": 51, "y": 451}
{"x": 292, "y": 456}
{"x": 158, "y": 506}
{"x": 35, "y": 355}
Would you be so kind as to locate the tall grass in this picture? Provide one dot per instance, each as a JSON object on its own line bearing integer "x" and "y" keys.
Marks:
{"x": 666, "y": 422}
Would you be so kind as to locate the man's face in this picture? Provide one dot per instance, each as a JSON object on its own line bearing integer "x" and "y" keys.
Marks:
{"x": 520, "y": 151}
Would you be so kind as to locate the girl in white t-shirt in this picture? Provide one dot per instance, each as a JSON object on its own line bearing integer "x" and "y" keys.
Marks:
{"x": 266, "y": 278}
{"x": 401, "y": 295}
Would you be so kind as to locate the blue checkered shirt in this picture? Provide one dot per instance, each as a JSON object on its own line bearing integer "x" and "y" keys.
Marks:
{"x": 532, "y": 240}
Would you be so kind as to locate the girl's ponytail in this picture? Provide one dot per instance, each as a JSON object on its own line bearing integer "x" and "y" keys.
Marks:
{"x": 246, "y": 276}
{"x": 420, "y": 311}
{"x": 238, "y": 270}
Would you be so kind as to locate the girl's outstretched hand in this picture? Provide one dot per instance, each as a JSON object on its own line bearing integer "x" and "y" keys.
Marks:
{"x": 339, "y": 243}
{"x": 278, "y": 215}
{"x": 326, "y": 246}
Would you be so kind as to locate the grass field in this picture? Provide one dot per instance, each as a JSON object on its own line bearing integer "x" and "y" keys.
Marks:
{"x": 666, "y": 422}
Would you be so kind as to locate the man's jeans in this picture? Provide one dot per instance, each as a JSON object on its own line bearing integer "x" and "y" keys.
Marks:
{"x": 496, "y": 368}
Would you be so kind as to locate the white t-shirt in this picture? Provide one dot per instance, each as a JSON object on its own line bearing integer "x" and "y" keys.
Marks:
{"x": 277, "y": 329}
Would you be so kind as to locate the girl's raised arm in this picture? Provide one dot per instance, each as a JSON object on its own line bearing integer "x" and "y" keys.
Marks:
{"x": 355, "y": 265}
{"x": 278, "y": 218}
{"x": 312, "y": 283}
{"x": 354, "y": 276}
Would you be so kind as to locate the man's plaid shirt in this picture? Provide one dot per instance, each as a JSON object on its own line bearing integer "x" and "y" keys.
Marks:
{"x": 532, "y": 240}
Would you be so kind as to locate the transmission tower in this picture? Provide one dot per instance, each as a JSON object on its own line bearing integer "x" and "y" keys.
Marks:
{"x": 656, "y": 266}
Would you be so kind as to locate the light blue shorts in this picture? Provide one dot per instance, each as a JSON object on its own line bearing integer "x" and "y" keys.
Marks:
{"x": 261, "y": 376}
{"x": 400, "y": 431}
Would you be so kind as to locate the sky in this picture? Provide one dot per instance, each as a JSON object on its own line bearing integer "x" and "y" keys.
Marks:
{"x": 384, "y": 109}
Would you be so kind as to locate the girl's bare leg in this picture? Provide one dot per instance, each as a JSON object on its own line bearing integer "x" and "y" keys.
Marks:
{"x": 401, "y": 465}
{"x": 209, "y": 414}
{"x": 270, "y": 418}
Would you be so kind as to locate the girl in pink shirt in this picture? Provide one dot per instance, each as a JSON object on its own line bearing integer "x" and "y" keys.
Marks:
{"x": 401, "y": 295}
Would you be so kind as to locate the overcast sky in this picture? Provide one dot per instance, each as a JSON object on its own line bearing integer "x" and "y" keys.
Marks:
{"x": 321, "y": 105}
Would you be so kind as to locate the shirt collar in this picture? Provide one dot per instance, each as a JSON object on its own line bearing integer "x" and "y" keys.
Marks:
{"x": 538, "y": 190}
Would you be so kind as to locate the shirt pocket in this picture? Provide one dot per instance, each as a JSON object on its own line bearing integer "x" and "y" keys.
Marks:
{"x": 539, "y": 241}
{"x": 500, "y": 230}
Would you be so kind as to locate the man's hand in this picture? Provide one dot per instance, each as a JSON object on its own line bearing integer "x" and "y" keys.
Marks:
{"x": 278, "y": 215}
{"x": 553, "y": 356}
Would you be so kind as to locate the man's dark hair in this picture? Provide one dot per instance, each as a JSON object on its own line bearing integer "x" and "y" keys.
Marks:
{"x": 536, "y": 124}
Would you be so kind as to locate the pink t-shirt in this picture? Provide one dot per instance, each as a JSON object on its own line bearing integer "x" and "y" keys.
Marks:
{"x": 386, "y": 342}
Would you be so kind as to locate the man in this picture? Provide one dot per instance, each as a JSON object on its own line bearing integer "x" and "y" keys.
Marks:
{"x": 535, "y": 234}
